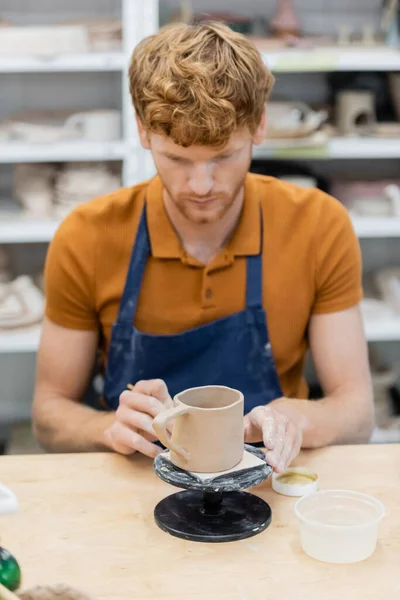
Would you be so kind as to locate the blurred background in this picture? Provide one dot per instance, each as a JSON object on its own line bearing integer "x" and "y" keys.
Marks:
{"x": 67, "y": 134}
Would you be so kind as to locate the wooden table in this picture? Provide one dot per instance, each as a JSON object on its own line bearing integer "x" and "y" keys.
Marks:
{"x": 87, "y": 520}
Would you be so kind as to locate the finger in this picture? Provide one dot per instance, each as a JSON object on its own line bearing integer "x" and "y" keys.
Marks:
{"x": 126, "y": 441}
{"x": 291, "y": 434}
{"x": 156, "y": 388}
{"x": 142, "y": 403}
{"x": 254, "y": 423}
{"x": 135, "y": 420}
{"x": 273, "y": 457}
{"x": 269, "y": 430}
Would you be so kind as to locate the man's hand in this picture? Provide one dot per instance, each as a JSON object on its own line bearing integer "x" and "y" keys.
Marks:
{"x": 132, "y": 430}
{"x": 281, "y": 431}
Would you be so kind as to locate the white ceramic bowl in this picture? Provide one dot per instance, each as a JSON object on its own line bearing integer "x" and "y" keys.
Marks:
{"x": 339, "y": 526}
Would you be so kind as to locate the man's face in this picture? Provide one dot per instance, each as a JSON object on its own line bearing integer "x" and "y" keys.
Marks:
{"x": 202, "y": 182}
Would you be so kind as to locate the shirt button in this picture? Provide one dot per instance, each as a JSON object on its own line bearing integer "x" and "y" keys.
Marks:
{"x": 208, "y": 294}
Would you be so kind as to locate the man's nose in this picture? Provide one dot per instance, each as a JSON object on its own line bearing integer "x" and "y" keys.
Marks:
{"x": 201, "y": 179}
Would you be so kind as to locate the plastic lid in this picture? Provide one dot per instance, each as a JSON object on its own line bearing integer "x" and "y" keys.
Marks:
{"x": 295, "y": 481}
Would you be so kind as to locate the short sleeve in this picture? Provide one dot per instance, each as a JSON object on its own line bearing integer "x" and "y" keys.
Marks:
{"x": 69, "y": 274}
{"x": 338, "y": 260}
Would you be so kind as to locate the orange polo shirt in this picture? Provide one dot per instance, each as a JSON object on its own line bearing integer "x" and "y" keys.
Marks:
{"x": 311, "y": 264}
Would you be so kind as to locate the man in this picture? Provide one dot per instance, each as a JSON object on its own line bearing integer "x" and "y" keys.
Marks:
{"x": 204, "y": 275}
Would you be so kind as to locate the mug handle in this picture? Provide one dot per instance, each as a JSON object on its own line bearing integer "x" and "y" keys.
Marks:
{"x": 160, "y": 427}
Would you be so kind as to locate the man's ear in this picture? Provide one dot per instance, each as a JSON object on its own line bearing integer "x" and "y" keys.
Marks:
{"x": 259, "y": 135}
{"x": 143, "y": 135}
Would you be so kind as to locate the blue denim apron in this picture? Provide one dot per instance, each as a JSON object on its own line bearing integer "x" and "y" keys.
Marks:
{"x": 234, "y": 351}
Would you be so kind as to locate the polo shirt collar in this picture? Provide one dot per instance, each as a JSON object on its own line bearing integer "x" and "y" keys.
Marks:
{"x": 165, "y": 243}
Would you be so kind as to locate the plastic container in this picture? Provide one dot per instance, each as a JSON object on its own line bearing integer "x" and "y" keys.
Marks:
{"x": 339, "y": 526}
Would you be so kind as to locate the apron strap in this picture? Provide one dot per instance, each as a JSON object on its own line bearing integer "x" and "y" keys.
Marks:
{"x": 254, "y": 282}
{"x": 137, "y": 266}
{"x": 254, "y": 276}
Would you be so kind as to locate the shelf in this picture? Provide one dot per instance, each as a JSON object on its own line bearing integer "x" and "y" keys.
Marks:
{"x": 387, "y": 329}
{"x": 333, "y": 59}
{"x": 335, "y": 148}
{"x": 385, "y": 436}
{"x": 24, "y": 231}
{"x": 12, "y": 152}
{"x": 26, "y": 340}
{"x": 376, "y": 227}
{"x": 113, "y": 61}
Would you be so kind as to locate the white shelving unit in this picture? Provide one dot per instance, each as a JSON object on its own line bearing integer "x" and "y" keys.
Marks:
{"x": 139, "y": 20}
{"x": 110, "y": 61}
{"x": 376, "y": 227}
{"x": 20, "y": 341}
{"x": 13, "y": 152}
{"x": 336, "y": 148}
{"x": 326, "y": 60}
{"x": 20, "y": 230}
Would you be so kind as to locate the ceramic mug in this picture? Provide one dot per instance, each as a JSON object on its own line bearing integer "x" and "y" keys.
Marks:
{"x": 208, "y": 432}
{"x": 96, "y": 125}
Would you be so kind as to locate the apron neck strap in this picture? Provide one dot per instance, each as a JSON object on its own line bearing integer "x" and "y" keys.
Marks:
{"x": 254, "y": 277}
{"x": 137, "y": 266}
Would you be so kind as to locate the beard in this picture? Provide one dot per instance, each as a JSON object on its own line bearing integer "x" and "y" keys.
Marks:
{"x": 201, "y": 211}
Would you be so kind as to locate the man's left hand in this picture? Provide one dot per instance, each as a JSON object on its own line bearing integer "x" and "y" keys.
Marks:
{"x": 280, "y": 430}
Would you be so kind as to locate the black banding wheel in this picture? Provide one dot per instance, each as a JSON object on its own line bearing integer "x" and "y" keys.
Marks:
{"x": 216, "y": 509}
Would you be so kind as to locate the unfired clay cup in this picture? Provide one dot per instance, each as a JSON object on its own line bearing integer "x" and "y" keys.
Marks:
{"x": 208, "y": 432}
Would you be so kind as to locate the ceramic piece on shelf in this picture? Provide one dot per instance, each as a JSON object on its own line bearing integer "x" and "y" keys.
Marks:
{"x": 81, "y": 182}
{"x": 368, "y": 36}
{"x": 390, "y": 22}
{"x": 292, "y": 120}
{"x": 388, "y": 283}
{"x": 186, "y": 11}
{"x": 38, "y": 126}
{"x": 379, "y": 198}
{"x": 392, "y": 192}
{"x": 344, "y": 37}
{"x": 105, "y": 35}
{"x": 95, "y": 125}
{"x": 355, "y": 112}
{"x": 285, "y": 21}
{"x": 43, "y": 41}
{"x": 33, "y": 188}
{"x": 21, "y": 304}
{"x": 208, "y": 432}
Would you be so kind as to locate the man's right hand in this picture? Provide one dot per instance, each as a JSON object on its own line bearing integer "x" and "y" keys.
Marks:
{"x": 132, "y": 430}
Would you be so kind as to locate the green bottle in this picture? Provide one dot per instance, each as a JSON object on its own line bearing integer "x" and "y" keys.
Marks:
{"x": 10, "y": 573}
